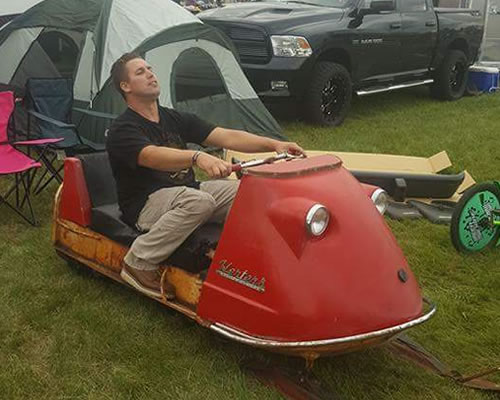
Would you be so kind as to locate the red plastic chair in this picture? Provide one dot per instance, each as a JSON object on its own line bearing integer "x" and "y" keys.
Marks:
{"x": 17, "y": 164}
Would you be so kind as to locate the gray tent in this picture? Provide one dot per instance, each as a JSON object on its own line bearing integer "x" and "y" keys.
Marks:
{"x": 81, "y": 39}
{"x": 11, "y": 9}
{"x": 17, "y": 6}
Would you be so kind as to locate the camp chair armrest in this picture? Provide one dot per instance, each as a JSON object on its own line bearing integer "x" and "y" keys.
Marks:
{"x": 95, "y": 113}
{"x": 52, "y": 121}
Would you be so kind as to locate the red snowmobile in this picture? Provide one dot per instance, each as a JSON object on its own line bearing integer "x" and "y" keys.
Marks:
{"x": 304, "y": 265}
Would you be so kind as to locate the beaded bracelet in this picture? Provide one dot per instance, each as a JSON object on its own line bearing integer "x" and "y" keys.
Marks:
{"x": 195, "y": 157}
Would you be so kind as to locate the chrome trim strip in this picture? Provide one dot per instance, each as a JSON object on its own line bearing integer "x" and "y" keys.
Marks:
{"x": 395, "y": 87}
{"x": 256, "y": 341}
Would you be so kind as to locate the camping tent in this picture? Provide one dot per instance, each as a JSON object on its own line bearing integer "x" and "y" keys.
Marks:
{"x": 17, "y": 6}
{"x": 11, "y": 9}
{"x": 82, "y": 38}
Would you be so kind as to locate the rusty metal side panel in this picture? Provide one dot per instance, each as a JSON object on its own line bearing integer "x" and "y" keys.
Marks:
{"x": 105, "y": 256}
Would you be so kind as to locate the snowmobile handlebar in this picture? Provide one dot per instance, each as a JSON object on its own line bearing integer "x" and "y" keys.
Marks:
{"x": 238, "y": 166}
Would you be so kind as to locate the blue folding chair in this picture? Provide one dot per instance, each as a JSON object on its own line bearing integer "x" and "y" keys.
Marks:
{"x": 49, "y": 104}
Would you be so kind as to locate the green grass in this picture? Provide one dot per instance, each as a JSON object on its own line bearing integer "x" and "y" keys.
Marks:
{"x": 69, "y": 334}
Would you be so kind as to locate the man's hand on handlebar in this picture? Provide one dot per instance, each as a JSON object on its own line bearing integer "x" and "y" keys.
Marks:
{"x": 290, "y": 148}
{"x": 213, "y": 166}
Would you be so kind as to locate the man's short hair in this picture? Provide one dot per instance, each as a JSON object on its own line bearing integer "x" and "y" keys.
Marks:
{"x": 119, "y": 71}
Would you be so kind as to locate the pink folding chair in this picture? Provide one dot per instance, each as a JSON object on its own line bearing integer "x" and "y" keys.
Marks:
{"x": 17, "y": 164}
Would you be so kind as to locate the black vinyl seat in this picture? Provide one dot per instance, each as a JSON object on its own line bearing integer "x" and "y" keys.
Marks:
{"x": 106, "y": 217}
{"x": 107, "y": 220}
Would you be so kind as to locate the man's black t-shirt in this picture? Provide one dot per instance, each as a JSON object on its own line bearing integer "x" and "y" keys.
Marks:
{"x": 129, "y": 134}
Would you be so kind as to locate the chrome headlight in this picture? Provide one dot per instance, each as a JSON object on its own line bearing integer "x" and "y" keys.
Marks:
{"x": 381, "y": 200}
{"x": 290, "y": 46}
{"x": 317, "y": 219}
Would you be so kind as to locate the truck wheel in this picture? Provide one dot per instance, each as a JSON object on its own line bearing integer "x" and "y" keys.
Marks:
{"x": 450, "y": 79}
{"x": 329, "y": 95}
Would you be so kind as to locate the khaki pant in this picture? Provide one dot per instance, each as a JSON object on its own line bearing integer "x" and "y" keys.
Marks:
{"x": 170, "y": 215}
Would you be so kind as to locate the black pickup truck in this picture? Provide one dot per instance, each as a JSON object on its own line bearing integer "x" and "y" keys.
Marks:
{"x": 320, "y": 52}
